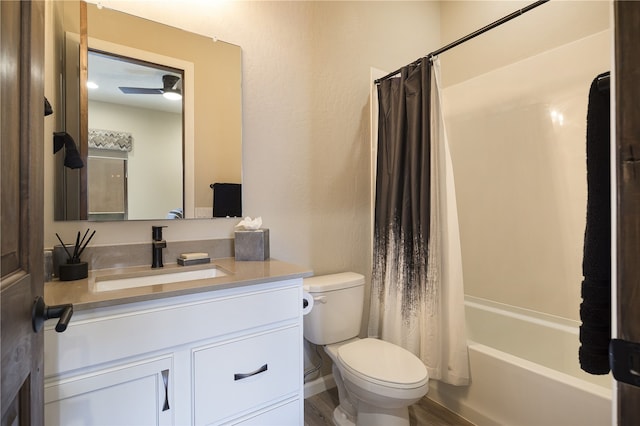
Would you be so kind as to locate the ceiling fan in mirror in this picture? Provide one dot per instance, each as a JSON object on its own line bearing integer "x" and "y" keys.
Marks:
{"x": 170, "y": 88}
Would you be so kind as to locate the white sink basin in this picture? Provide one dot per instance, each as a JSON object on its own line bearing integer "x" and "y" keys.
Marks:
{"x": 108, "y": 283}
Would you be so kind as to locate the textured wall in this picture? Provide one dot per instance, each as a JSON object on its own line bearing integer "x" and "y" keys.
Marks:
{"x": 305, "y": 118}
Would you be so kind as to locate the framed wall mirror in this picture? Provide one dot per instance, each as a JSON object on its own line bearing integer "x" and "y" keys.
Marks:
{"x": 147, "y": 157}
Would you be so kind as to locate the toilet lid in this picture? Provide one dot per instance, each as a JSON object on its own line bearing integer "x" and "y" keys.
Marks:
{"x": 383, "y": 362}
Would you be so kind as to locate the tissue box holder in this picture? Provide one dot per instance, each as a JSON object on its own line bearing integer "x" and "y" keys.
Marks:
{"x": 252, "y": 245}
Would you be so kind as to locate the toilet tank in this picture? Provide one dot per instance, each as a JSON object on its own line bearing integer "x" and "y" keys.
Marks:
{"x": 337, "y": 307}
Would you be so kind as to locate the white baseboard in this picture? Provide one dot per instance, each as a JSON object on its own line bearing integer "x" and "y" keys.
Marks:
{"x": 318, "y": 385}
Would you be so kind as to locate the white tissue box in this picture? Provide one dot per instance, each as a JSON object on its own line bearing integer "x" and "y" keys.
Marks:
{"x": 252, "y": 245}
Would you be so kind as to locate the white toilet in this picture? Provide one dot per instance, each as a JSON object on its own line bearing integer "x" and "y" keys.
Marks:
{"x": 376, "y": 380}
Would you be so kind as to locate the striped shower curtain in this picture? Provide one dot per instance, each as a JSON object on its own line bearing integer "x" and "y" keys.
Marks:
{"x": 417, "y": 298}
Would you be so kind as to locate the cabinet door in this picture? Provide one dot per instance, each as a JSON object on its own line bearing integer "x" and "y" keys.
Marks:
{"x": 138, "y": 393}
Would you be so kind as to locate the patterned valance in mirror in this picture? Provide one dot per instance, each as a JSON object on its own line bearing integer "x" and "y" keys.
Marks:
{"x": 110, "y": 139}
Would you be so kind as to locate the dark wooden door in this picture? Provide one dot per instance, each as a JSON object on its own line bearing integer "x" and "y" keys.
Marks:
{"x": 627, "y": 96}
{"x": 21, "y": 180}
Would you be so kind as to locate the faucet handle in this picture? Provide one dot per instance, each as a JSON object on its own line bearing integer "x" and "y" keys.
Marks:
{"x": 156, "y": 232}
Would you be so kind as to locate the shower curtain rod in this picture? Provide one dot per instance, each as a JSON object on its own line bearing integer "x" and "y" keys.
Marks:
{"x": 469, "y": 37}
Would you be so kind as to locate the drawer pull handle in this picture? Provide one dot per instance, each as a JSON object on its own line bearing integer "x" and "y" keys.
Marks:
{"x": 165, "y": 380}
{"x": 239, "y": 376}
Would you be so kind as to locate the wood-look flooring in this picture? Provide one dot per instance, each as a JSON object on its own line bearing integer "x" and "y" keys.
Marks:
{"x": 318, "y": 411}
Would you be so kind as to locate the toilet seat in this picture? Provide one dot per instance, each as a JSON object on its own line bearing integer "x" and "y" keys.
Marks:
{"x": 383, "y": 363}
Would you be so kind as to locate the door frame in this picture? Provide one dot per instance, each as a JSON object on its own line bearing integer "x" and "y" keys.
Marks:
{"x": 626, "y": 207}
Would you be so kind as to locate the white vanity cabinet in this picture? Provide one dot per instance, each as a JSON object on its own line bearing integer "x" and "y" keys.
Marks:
{"x": 127, "y": 394}
{"x": 230, "y": 356}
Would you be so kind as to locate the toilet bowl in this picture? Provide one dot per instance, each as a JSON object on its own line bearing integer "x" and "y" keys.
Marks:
{"x": 380, "y": 379}
{"x": 376, "y": 380}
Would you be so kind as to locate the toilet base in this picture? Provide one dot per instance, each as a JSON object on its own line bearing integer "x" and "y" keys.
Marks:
{"x": 372, "y": 416}
{"x": 340, "y": 418}
{"x": 375, "y": 416}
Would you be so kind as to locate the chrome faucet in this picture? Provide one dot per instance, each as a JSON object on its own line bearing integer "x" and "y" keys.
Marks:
{"x": 156, "y": 246}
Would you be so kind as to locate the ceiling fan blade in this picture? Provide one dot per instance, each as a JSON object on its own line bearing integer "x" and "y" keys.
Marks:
{"x": 140, "y": 91}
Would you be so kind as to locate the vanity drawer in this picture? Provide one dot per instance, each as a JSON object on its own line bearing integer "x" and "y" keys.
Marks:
{"x": 237, "y": 376}
{"x": 93, "y": 339}
{"x": 288, "y": 413}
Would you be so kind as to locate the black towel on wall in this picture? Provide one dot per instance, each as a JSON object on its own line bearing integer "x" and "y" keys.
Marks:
{"x": 595, "y": 309}
{"x": 227, "y": 199}
{"x": 72, "y": 158}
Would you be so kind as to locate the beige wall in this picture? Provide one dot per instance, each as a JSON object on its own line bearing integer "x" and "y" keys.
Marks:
{"x": 305, "y": 119}
{"x": 520, "y": 169}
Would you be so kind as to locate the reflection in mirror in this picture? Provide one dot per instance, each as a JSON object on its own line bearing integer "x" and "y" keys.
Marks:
{"x": 66, "y": 186}
{"x": 210, "y": 141}
{"x": 135, "y": 114}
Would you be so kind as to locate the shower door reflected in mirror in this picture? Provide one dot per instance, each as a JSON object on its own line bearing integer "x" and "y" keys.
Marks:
{"x": 107, "y": 192}
{"x": 135, "y": 113}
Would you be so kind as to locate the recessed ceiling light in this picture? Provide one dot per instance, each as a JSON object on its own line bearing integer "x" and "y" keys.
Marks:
{"x": 91, "y": 85}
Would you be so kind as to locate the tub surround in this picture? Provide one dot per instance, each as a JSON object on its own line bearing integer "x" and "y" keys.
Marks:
{"x": 525, "y": 371}
{"x": 507, "y": 390}
{"x": 82, "y": 295}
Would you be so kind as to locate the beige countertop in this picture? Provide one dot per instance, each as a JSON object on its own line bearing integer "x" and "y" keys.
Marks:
{"x": 83, "y": 295}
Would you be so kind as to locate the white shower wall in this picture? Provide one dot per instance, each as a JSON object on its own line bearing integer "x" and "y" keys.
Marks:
{"x": 517, "y": 137}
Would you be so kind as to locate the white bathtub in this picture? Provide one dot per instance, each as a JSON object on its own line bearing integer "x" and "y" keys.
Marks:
{"x": 525, "y": 372}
